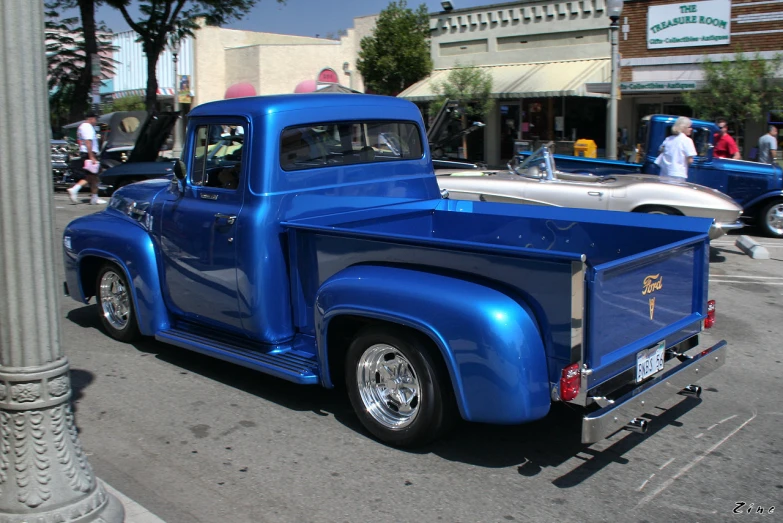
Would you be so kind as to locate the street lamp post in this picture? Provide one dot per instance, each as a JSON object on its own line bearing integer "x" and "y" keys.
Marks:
{"x": 177, "y": 147}
{"x": 44, "y": 473}
{"x": 614, "y": 9}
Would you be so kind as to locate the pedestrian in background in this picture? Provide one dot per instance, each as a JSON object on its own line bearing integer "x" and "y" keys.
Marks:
{"x": 677, "y": 151}
{"x": 88, "y": 152}
{"x": 768, "y": 146}
{"x": 725, "y": 146}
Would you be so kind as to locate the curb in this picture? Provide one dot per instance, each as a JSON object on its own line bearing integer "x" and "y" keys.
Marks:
{"x": 752, "y": 248}
{"x": 134, "y": 513}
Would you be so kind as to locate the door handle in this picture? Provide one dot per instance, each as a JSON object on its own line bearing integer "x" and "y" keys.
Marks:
{"x": 230, "y": 218}
{"x": 595, "y": 193}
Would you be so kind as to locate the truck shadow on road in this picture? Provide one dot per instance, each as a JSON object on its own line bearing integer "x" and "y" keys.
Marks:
{"x": 553, "y": 442}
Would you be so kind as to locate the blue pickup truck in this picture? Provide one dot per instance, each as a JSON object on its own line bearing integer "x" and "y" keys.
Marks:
{"x": 757, "y": 187}
{"x": 305, "y": 236}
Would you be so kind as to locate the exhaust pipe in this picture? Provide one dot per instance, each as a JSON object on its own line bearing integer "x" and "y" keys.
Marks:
{"x": 638, "y": 425}
{"x": 693, "y": 391}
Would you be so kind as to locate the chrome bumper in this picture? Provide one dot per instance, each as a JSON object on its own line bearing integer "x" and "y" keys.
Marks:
{"x": 718, "y": 229}
{"x": 608, "y": 420}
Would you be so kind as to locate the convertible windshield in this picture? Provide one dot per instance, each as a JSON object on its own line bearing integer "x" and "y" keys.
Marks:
{"x": 537, "y": 165}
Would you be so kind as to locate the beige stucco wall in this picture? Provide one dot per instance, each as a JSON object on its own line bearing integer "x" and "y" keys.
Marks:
{"x": 223, "y": 57}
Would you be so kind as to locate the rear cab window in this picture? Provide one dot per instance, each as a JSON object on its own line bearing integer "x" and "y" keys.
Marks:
{"x": 350, "y": 142}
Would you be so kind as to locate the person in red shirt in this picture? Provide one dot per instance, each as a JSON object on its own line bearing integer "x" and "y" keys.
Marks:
{"x": 725, "y": 146}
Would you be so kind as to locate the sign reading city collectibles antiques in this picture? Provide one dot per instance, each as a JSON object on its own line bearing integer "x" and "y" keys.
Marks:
{"x": 689, "y": 25}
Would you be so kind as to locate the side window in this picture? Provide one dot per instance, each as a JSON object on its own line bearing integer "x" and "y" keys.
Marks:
{"x": 217, "y": 156}
{"x": 701, "y": 140}
{"x": 341, "y": 143}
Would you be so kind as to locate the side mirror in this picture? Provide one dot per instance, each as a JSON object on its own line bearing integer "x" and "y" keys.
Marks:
{"x": 179, "y": 169}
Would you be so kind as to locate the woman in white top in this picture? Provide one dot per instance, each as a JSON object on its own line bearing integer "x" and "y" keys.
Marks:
{"x": 677, "y": 151}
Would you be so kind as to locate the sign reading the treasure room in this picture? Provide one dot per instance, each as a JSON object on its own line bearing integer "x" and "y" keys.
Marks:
{"x": 689, "y": 25}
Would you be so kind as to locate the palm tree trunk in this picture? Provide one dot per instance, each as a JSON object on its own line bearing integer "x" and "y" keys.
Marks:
{"x": 84, "y": 86}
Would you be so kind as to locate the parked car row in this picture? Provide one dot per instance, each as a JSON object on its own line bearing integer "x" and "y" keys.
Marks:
{"x": 131, "y": 153}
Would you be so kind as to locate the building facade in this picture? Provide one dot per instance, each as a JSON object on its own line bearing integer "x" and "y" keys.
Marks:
{"x": 540, "y": 56}
{"x": 663, "y": 44}
{"x": 216, "y": 58}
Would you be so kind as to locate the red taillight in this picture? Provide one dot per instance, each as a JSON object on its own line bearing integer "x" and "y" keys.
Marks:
{"x": 709, "y": 321}
{"x": 569, "y": 382}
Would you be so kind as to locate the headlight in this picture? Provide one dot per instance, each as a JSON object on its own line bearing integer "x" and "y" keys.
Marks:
{"x": 136, "y": 211}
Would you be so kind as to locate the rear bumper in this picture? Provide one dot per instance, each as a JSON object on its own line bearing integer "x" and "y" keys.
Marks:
{"x": 608, "y": 420}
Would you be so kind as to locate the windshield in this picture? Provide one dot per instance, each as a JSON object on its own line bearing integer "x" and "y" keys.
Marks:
{"x": 535, "y": 165}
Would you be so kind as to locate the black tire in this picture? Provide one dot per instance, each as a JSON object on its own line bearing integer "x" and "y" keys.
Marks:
{"x": 658, "y": 209}
{"x": 770, "y": 219}
{"x": 412, "y": 357}
{"x": 115, "y": 304}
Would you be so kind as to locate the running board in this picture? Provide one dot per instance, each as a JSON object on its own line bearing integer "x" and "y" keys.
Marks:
{"x": 286, "y": 365}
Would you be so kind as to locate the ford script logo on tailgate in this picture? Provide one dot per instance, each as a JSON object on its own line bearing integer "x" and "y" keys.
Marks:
{"x": 652, "y": 283}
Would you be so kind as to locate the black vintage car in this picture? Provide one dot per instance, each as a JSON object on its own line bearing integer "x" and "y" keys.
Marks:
{"x": 61, "y": 152}
{"x": 117, "y": 133}
{"x": 142, "y": 160}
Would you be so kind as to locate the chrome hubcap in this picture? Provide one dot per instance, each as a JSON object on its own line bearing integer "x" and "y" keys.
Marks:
{"x": 388, "y": 386}
{"x": 115, "y": 300}
{"x": 775, "y": 218}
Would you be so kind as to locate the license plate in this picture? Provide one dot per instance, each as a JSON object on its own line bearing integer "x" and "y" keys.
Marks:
{"x": 649, "y": 361}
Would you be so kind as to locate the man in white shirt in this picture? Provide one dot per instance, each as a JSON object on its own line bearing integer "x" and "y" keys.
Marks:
{"x": 677, "y": 151}
{"x": 87, "y": 165}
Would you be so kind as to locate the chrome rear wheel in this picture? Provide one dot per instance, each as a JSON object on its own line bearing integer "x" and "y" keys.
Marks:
{"x": 399, "y": 386}
{"x": 388, "y": 386}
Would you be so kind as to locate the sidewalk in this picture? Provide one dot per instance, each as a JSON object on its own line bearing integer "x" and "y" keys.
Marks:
{"x": 134, "y": 513}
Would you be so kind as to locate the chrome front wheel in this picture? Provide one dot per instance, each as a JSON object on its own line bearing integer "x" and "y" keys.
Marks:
{"x": 388, "y": 386}
{"x": 772, "y": 219}
{"x": 115, "y": 304}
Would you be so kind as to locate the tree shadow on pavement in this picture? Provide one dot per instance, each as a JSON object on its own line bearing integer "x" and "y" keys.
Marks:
{"x": 531, "y": 447}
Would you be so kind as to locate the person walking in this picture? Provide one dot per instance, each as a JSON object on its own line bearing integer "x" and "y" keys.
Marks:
{"x": 768, "y": 146}
{"x": 725, "y": 146}
{"x": 88, "y": 152}
{"x": 677, "y": 151}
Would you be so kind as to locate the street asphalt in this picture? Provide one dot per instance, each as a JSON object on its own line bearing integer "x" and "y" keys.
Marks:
{"x": 191, "y": 439}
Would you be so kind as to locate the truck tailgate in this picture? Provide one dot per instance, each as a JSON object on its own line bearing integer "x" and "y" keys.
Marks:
{"x": 636, "y": 302}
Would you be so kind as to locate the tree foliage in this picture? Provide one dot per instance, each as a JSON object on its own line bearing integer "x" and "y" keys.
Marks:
{"x": 470, "y": 86}
{"x": 738, "y": 90}
{"x": 126, "y": 103}
{"x": 69, "y": 62}
{"x": 397, "y": 54}
{"x": 163, "y": 21}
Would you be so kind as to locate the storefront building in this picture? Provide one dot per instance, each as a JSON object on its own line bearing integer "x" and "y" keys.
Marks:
{"x": 663, "y": 43}
{"x": 541, "y": 56}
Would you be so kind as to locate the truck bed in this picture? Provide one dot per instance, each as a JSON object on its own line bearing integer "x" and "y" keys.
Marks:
{"x": 566, "y": 264}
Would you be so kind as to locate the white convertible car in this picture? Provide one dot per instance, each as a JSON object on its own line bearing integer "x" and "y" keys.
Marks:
{"x": 537, "y": 181}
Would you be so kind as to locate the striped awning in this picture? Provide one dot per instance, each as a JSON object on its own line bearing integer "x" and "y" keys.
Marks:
{"x": 162, "y": 91}
{"x": 526, "y": 80}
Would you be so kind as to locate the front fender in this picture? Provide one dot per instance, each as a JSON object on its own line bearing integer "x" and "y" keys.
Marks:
{"x": 114, "y": 238}
{"x": 489, "y": 342}
{"x": 761, "y": 200}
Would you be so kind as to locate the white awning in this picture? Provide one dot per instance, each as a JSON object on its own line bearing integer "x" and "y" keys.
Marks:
{"x": 526, "y": 80}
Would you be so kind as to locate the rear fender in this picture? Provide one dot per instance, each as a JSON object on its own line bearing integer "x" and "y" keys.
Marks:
{"x": 116, "y": 239}
{"x": 490, "y": 343}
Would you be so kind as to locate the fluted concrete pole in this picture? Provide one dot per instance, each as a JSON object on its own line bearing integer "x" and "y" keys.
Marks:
{"x": 44, "y": 474}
